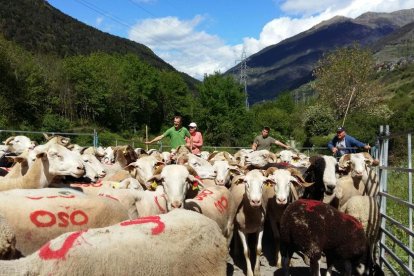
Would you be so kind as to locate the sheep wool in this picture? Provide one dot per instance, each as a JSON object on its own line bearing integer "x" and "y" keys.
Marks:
{"x": 314, "y": 227}
{"x": 180, "y": 242}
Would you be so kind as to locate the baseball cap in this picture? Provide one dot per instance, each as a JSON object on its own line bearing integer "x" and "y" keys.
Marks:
{"x": 340, "y": 129}
{"x": 192, "y": 124}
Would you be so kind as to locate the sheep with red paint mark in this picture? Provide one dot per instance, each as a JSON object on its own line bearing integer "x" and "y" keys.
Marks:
{"x": 39, "y": 215}
{"x": 315, "y": 228}
{"x": 180, "y": 242}
{"x": 216, "y": 203}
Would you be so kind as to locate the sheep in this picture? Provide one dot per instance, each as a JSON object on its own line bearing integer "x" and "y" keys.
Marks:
{"x": 123, "y": 155}
{"x": 289, "y": 184}
{"x": 251, "y": 212}
{"x": 176, "y": 180}
{"x": 50, "y": 164}
{"x": 216, "y": 203}
{"x": 314, "y": 228}
{"x": 359, "y": 167}
{"x": 38, "y": 215}
{"x": 18, "y": 144}
{"x": 8, "y": 249}
{"x": 178, "y": 243}
{"x": 366, "y": 210}
{"x": 260, "y": 158}
{"x": 322, "y": 171}
{"x": 139, "y": 203}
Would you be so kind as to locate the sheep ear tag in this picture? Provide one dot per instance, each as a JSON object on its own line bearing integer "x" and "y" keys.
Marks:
{"x": 154, "y": 185}
{"x": 115, "y": 185}
{"x": 195, "y": 184}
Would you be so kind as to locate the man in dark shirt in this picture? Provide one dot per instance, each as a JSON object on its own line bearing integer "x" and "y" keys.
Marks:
{"x": 264, "y": 141}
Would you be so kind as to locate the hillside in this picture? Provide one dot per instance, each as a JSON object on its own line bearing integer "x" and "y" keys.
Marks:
{"x": 40, "y": 28}
{"x": 289, "y": 64}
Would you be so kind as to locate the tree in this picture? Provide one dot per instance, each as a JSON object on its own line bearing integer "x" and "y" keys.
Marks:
{"x": 344, "y": 77}
{"x": 222, "y": 111}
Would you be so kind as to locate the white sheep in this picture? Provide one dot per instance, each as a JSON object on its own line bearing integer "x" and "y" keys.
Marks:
{"x": 366, "y": 210}
{"x": 8, "y": 249}
{"x": 51, "y": 163}
{"x": 251, "y": 201}
{"x": 181, "y": 242}
{"x": 38, "y": 215}
{"x": 216, "y": 203}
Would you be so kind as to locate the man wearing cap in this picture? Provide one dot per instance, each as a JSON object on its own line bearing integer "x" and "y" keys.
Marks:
{"x": 197, "y": 139}
{"x": 177, "y": 133}
{"x": 342, "y": 143}
{"x": 264, "y": 141}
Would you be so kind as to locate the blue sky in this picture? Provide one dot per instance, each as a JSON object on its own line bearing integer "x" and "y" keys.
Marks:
{"x": 201, "y": 37}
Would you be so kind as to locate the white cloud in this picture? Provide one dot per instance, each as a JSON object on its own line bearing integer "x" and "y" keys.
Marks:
{"x": 180, "y": 44}
{"x": 197, "y": 53}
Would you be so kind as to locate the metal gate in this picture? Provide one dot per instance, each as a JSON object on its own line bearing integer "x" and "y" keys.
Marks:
{"x": 396, "y": 202}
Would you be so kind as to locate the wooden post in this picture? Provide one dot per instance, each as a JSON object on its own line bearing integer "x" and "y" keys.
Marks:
{"x": 146, "y": 137}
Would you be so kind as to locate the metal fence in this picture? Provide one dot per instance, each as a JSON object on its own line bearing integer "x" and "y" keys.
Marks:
{"x": 396, "y": 202}
{"x": 94, "y": 135}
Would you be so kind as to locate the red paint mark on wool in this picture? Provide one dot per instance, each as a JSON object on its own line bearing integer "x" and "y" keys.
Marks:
{"x": 346, "y": 217}
{"x": 46, "y": 253}
{"x": 162, "y": 210}
{"x": 53, "y": 196}
{"x": 310, "y": 204}
{"x": 108, "y": 196}
{"x": 204, "y": 193}
{"x": 154, "y": 219}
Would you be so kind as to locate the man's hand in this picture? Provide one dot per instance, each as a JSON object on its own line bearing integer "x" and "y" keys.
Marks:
{"x": 334, "y": 150}
{"x": 367, "y": 147}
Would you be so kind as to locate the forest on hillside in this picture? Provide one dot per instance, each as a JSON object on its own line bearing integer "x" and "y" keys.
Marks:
{"x": 119, "y": 95}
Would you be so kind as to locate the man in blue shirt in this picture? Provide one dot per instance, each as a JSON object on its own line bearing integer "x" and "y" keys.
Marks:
{"x": 342, "y": 143}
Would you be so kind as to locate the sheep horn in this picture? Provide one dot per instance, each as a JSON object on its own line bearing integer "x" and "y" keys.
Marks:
{"x": 8, "y": 140}
{"x": 342, "y": 163}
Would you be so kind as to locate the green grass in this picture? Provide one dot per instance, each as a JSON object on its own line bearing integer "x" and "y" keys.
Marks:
{"x": 398, "y": 187}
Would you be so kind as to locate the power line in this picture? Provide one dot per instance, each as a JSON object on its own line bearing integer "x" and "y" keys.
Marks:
{"x": 102, "y": 12}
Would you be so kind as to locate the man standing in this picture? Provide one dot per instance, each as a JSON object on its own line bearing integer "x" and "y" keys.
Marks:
{"x": 343, "y": 144}
{"x": 264, "y": 141}
{"x": 177, "y": 134}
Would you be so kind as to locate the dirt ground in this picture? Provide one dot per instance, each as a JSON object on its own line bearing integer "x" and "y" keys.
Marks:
{"x": 236, "y": 266}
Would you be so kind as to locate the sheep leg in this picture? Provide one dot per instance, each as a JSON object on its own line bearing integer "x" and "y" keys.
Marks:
{"x": 258, "y": 253}
{"x": 276, "y": 236}
{"x": 315, "y": 267}
{"x": 246, "y": 253}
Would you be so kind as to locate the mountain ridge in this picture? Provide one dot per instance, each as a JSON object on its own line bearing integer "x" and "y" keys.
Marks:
{"x": 289, "y": 63}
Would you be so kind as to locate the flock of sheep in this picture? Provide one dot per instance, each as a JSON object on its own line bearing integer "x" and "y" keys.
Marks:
{"x": 72, "y": 210}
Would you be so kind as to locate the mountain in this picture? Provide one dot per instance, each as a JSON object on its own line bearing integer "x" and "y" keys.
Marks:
{"x": 41, "y": 28}
{"x": 289, "y": 64}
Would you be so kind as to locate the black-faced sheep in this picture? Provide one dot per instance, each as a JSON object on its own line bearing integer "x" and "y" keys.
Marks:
{"x": 314, "y": 228}
{"x": 322, "y": 172}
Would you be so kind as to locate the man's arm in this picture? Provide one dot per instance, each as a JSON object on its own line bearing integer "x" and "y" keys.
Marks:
{"x": 277, "y": 142}
{"x": 156, "y": 139}
{"x": 331, "y": 146}
{"x": 254, "y": 146}
{"x": 356, "y": 143}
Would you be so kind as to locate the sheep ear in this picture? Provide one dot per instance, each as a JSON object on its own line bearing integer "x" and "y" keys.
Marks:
{"x": 41, "y": 155}
{"x": 18, "y": 159}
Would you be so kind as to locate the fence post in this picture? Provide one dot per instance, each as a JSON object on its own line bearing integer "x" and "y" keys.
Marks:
{"x": 383, "y": 185}
{"x": 410, "y": 199}
{"x": 95, "y": 139}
